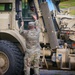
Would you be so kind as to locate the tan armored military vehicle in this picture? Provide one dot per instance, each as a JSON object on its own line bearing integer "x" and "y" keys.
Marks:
{"x": 12, "y": 44}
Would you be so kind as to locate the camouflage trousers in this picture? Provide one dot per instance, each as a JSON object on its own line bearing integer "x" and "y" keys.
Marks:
{"x": 31, "y": 60}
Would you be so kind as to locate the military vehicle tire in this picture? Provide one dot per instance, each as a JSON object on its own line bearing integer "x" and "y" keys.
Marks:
{"x": 11, "y": 59}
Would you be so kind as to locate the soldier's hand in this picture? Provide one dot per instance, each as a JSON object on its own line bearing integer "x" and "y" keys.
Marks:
{"x": 34, "y": 17}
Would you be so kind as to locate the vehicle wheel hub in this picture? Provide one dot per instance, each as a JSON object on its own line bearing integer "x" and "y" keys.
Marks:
{"x": 4, "y": 62}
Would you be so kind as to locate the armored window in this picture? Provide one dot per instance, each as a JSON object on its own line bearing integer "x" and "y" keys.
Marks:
{"x": 5, "y": 6}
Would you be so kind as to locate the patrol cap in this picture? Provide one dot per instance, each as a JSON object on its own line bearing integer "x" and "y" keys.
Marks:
{"x": 31, "y": 23}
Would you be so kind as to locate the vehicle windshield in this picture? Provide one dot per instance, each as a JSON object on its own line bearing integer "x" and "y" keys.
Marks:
{"x": 28, "y": 8}
{"x": 5, "y": 6}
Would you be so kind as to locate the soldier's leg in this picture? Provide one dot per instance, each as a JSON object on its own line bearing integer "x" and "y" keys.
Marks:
{"x": 36, "y": 71}
{"x": 27, "y": 64}
{"x": 36, "y": 64}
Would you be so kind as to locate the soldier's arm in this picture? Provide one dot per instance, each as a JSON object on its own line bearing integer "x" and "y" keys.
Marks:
{"x": 37, "y": 23}
{"x": 22, "y": 31}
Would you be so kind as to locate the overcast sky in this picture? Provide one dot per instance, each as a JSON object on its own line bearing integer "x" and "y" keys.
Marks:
{"x": 51, "y": 6}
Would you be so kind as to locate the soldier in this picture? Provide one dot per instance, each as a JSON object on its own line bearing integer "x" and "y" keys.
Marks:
{"x": 32, "y": 10}
{"x": 32, "y": 53}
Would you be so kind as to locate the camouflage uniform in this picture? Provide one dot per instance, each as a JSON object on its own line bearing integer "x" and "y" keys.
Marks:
{"x": 32, "y": 53}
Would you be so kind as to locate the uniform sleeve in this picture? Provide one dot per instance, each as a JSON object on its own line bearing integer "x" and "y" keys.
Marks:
{"x": 38, "y": 26}
{"x": 22, "y": 31}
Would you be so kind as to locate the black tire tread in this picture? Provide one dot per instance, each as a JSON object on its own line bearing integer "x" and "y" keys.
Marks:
{"x": 18, "y": 56}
